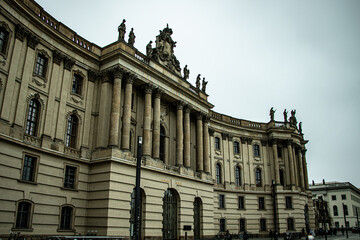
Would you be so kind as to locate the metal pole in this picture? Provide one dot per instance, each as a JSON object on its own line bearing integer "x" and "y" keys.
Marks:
{"x": 325, "y": 217}
{"x": 347, "y": 235}
{"x": 275, "y": 214}
{"x": 137, "y": 192}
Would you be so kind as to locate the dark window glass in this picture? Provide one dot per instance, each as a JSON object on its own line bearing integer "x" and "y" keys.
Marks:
{"x": 261, "y": 203}
{"x": 256, "y": 150}
{"x": 281, "y": 174}
{"x": 28, "y": 173}
{"x": 222, "y": 225}
{"x": 242, "y": 225}
{"x": 70, "y": 176}
{"x": 290, "y": 223}
{"x": 279, "y": 151}
{"x": 241, "y": 202}
{"x": 337, "y": 225}
{"x": 217, "y": 143}
{"x": 23, "y": 215}
{"x": 32, "y": 118}
{"x": 343, "y": 197}
{"x": 170, "y": 215}
{"x": 333, "y": 197}
{"x": 262, "y": 225}
{"x": 236, "y": 148}
{"x": 237, "y": 176}
{"x": 3, "y": 39}
{"x": 345, "y": 210}
{"x": 71, "y": 131}
{"x": 66, "y": 218}
{"x": 40, "y": 66}
{"x": 335, "y": 210}
{"x": 162, "y": 143}
{"x": 221, "y": 201}
{"x": 218, "y": 173}
{"x": 288, "y": 202}
{"x": 258, "y": 177}
{"x": 77, "y": 84}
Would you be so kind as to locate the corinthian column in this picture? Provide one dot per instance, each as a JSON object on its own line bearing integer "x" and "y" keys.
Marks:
{"x": 199, "y": 142}
{"x": 179, "y": 134}
{"x": 276, "y": 162}
{"x": 301, "y": 169}
{"x": 147, "y": 120}
{"x": 125, "y": 139}
{"x": 206, "y": 145}
{"x": 306, "y": 179}
{"x": 291, "y": 161}
{"x": 187, "y": 136}
{"x": 115, "y": 109}
{"x": 156, "y": 130}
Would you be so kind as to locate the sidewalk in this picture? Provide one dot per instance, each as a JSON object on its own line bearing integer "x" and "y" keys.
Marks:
{"x": 352, "y": 236}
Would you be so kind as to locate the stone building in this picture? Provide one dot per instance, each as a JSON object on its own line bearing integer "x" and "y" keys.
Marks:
{"x": 341, "y": 198}
{"x": 70, "y": 116}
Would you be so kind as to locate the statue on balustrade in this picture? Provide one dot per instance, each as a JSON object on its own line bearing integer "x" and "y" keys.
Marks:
{"x": 285, "y": 116}
{"x": 186, "y": 73}
{"x": 198, "y": 82}
{"x": 272, "y": 113}
{"x": 149, "y": 49}
{"x": 122, "y": 30}
{"x": 204, "y": 83}
{"x": 131, "y": 40}
{"x": 293, "y": 121}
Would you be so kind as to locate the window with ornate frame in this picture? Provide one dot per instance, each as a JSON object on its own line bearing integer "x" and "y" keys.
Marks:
{"x": 237, "y": 176}
{"x": 4, "y": 38}
{"x": 66, "y": 218}
{"x": 256, "y": 148}
{"x": 217, "y": 143}
{"x": 23, "y": 215}
{"x": 77, "y": 83}
{"x": 41, "y": 65}
{"x": 72, "y": 131}
{"x": 258, "y": 180}
{"x": 33, "y": 116}
{"x": 218, "y": 173}
{"x": 236, "y": 147}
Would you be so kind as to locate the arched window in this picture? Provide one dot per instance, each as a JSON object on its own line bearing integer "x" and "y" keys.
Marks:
{"x": 170, "y": 215}
{"x": 281, "y": 174}
{"x": 218, "y": 173}
{"x": 197, "y": 218}
{"x": 162, "y": 143}
{"x": 237, "y": 176}
{"x": 66, "y": 219}
{"x": 32, "y": 121}
{"x": 290, "y": 224}
{"x": 71, "y": 132}
{"x": 258, "y": 177}
{"x": 335, "y": 209}
{"x": 23, "y": 215}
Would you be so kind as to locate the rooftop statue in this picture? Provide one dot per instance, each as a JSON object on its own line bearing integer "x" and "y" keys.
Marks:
{"x": 186, "y": 73}
{"x": 300, "y": 127}
{"x": 293, "y": 121}
{"x": 285, "y": 116}
{"x": 204, "y": 83}
{"x": 164, "y": 51}
{"x": 131, "y": 40}
{"x": 122, "y": 30}
{"x": 198, "y": 81}
{"x": 149, "y": 49}
{"x": 272, "y": 112}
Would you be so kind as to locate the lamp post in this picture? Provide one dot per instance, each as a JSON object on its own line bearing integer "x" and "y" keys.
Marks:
{"x": 137, "y": 191}
{"x": 274, "y": 206}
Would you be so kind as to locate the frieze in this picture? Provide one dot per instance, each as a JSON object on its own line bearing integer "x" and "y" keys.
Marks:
{"x": 21, "y": 32}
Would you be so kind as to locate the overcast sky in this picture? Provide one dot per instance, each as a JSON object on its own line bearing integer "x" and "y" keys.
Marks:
{"x": 302, "y": 55}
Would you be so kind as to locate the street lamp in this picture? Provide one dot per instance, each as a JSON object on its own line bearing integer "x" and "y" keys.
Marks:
{"x": 137, "y": 191}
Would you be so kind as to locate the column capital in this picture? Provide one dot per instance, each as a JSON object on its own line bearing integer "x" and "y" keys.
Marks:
{"x": 230, "y": 136}
{"x": 180, "y": 104}
{"x": 158, "y": 92}
{"x": 21, "y": 32}
{"x": 200, "y": 115}
{"x": 148, "y": 88}
{"x": 264, "y": 142}
{"x": 249, "y": 140}
{"x": 206, "y": 118}
{"x": 188, "y": 108}
{"x": 289, "y": 142}
{"x": 57, "y": 56}
{"x": 105, "y": 76}
{"x": 273, "y": 141}
{"x": 130, "y": 78}
{"x": 303, "y": 151}
{"x": 32, "y": 40}
{"x": 224, "y": 135}
{"x": 243, "y": 140}
{"x": 118, "y": 72}
{"x": 211, "y": 131}
{"x": 93, "y": 75}
{"x": 68, "y": 63}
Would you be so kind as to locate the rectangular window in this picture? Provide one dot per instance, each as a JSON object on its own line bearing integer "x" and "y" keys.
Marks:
{"x": 23, "y": 215}
{"x": 222, "y": 225}
{"x": 236, "y": 148}
{"x": 256, "y": 150}
{"x": 290, "y": 223}
{"x": 221, "y": 201}
{"x": 241, "y": 202}
{"x": 261, "y": 203}
{"x": 279, "y": 152}
{"x": 262, "y": 225}
{"x": 333, "y": 197}
{"x": 66, "y": 217}
{"x": 288, "y": 202}
{"x": 70, "y": 177}
{"x": 3, "y": 40}
{"x": 41, "y": 65}
{"x": 242, "y": 225}
{"x": 337, "y": 225}
{"x": 29, "y": 168}
{"x": 217, "y": 143}
{"x": 343, "y": 197}
{"x": 77, "y": 84}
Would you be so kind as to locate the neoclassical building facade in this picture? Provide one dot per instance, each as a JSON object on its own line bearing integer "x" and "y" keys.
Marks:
{"x": 71, "y": 113}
